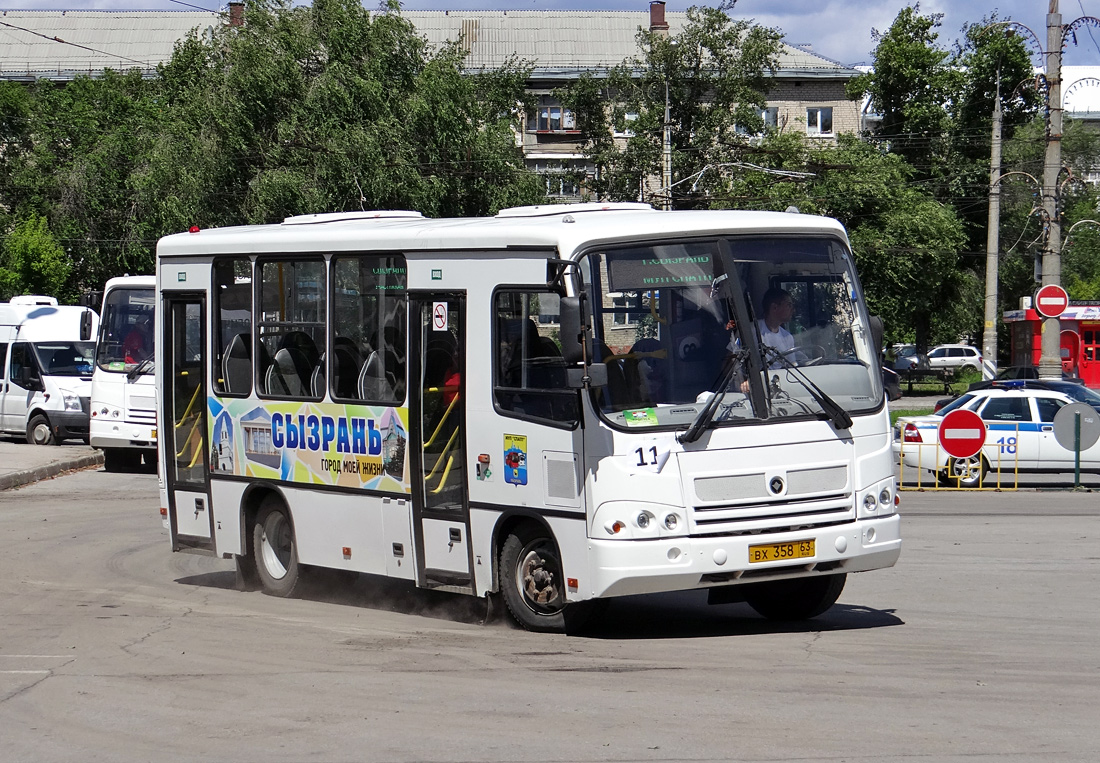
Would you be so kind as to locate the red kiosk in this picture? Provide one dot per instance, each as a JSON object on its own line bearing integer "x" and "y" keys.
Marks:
{"x": 1080, "y": 335}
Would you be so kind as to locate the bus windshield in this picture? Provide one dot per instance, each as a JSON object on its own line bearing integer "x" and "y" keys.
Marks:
{"x": 65, "y": 358}
{"x": 672, "y": 323}
{"x": 126, "y": 330}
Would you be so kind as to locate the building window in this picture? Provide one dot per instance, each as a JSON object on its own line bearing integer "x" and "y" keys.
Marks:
{"x": 819, "y": 120}
{"x": 770, "y": 117}
{"x": 561, "y": 176}
{"x": 626, "y": 129}
{"x": 551, "y": 116}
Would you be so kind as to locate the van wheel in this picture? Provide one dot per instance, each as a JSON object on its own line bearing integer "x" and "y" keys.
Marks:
{"x": 39, "y": 432}
{"x": 275, "y": 550}
{"x": 531, "y": 579}
{"x": 797, "y": 599}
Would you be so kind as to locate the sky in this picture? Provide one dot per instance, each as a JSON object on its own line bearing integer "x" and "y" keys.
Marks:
{"x": 838, "y": 29}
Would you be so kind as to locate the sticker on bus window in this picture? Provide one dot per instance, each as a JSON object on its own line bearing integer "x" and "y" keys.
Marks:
{"x": 515, "y": 459}
{"x": 641, "y": 417}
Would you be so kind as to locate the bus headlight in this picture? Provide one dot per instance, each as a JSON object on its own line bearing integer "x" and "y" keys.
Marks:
{"x": 878, "y": 500}
{"x": 626, "y": 520}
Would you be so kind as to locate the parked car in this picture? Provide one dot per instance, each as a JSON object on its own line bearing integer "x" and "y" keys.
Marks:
{"x": 906, "y": 357}
{"x": 961, "y": 357}
{"x": 1078, "y": 392}
{"x": 1019, "y": 436}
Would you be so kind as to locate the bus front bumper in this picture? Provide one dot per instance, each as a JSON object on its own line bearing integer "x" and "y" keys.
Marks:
{"x": 120, "y": 434}
{"x": 623, "y": 568}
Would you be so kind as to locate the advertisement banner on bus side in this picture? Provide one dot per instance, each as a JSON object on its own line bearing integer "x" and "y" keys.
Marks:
{"x": 353, "y": 446}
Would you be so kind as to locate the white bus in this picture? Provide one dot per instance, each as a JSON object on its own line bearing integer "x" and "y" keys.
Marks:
{"x": 560, "y": 404}
{"x": 45, "y": 369}
{"x": 123, "y": 407}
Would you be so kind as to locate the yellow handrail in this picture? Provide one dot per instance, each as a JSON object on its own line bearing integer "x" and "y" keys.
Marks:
{"x": 190, "y": 405}
{"x": 444, "y": 452}
{"x": 442, "y": 421}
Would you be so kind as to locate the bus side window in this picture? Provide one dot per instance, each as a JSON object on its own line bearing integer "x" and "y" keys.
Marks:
{"x": 530, "y": 373}
{"x": 233, "y": 325}
{"x": 293, "y": 326}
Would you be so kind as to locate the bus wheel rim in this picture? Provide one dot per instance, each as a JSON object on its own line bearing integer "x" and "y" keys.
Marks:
{"x": 538, "y": 578}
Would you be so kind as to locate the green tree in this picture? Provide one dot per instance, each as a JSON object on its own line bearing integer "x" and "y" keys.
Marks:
{"x": 33, "y": 262}
{"x": 714, "y": 77}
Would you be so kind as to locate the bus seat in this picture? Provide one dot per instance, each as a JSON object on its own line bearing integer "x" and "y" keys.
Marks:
{"x": 289, "y": 374}
{"x": 317, "y": 378}
{"x": 304, "y": 344}
{"x": 374, "y": 383}
{"x": 237, "y": 365}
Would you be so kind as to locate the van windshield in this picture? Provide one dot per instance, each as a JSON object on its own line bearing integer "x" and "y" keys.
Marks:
{"x": 126, "y": 330}
{"x": 65, "y": 358}
{"x": 672, "y": 322}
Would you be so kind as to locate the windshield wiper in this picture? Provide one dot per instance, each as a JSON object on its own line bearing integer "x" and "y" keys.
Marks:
{"x": 143, "y": 367}
{"x": 703, "y": 418}
{"x": 837, "y": 415}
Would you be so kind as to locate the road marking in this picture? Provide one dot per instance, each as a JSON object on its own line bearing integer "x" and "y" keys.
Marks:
{"x": 24, "y": 672}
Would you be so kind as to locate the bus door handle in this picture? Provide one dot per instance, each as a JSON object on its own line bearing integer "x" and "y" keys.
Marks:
{"x": 1048, "y": 427}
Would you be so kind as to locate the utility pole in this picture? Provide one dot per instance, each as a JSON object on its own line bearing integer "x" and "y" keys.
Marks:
{"x": 992, "y": 244}
{"x": 1050, "y": 362}
{"x": 666, "y": 154}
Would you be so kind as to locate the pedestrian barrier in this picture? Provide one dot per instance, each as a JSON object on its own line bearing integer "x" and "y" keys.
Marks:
{"x": 995, "y": 467}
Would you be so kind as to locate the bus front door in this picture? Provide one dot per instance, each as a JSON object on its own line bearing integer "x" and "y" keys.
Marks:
{"x": 441, "y": 515}
{"x": 184, "y": 437}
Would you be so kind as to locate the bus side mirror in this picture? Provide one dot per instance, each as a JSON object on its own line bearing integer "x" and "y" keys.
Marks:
{"x": 877, "y": 333}
{"x": 29, "y": 380}
{"x": 573, "y": 329}
{"x": 595, "y": 374}
{"x": 86, "y": 326}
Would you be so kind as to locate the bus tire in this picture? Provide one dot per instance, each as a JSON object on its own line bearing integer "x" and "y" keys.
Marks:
{"x": 275, "y": 550}
{"x": 531, "y": 579}
{"x": 39, "y": 431}
{"x": 797, "y": 599}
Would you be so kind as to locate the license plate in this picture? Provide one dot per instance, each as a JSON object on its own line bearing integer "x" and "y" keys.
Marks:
{"x": 777, "y": 552}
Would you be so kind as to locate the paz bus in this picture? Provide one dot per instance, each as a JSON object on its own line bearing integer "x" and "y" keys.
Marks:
{"x": 123, "y": 406}
{"x": 556, "y": 404}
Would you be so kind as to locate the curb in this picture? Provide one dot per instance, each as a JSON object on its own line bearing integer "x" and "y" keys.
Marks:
{"x": 49, "y": 471}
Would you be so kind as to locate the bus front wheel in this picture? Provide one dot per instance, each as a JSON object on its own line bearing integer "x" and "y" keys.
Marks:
{"x": 797, "y": 599}
{"x": 275, "y": 550}
{"x": 531, "y": 579}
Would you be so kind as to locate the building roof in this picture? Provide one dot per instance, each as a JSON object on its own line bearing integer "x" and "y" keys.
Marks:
{"x": 565, "y": 41}
{"x": 62, "y": 44}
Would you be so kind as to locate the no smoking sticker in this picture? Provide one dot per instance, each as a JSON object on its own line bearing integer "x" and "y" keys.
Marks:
{"x": 439, "y": 316}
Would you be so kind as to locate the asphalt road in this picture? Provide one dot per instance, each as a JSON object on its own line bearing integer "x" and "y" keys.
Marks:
{"x": 979, "y": 645}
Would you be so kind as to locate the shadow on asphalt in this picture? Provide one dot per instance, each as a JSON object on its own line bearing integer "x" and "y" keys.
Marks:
{"x": 654, "y": 616}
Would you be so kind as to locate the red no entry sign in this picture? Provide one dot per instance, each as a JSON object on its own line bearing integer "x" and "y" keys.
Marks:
{"x": 1051, "y": 301}
{"x": 962, "y": 433}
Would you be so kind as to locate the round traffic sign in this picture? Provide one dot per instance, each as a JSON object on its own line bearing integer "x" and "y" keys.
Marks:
{"x": 1064, "y": 425}
{"x": 1051, "y": 301}
{"x": 962, "y": 433}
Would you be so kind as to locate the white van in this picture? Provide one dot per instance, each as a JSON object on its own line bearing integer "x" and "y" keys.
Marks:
{"x": 46, "y": 353}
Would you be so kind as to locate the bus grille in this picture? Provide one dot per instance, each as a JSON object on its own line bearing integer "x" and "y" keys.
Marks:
{"x": 143, "y": 416}
{"x": 746, "y": 504}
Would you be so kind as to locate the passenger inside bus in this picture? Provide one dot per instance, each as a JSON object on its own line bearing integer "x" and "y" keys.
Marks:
{"x": 138, "y": 344}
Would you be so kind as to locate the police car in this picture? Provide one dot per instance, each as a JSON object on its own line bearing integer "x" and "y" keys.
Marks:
{"x": 1019, "y": 436}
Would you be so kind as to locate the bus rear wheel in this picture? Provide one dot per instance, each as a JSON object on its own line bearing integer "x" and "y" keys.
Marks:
{"x": 798, "y": 599}
{"x": 531, "y": 579}
{"x": 275, "y": 549}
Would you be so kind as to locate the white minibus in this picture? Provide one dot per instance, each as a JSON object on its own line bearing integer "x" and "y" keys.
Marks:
{"x": 123, "y": 408}
{"x": 46, "y": 354}
{"x": 559, "y": 404}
